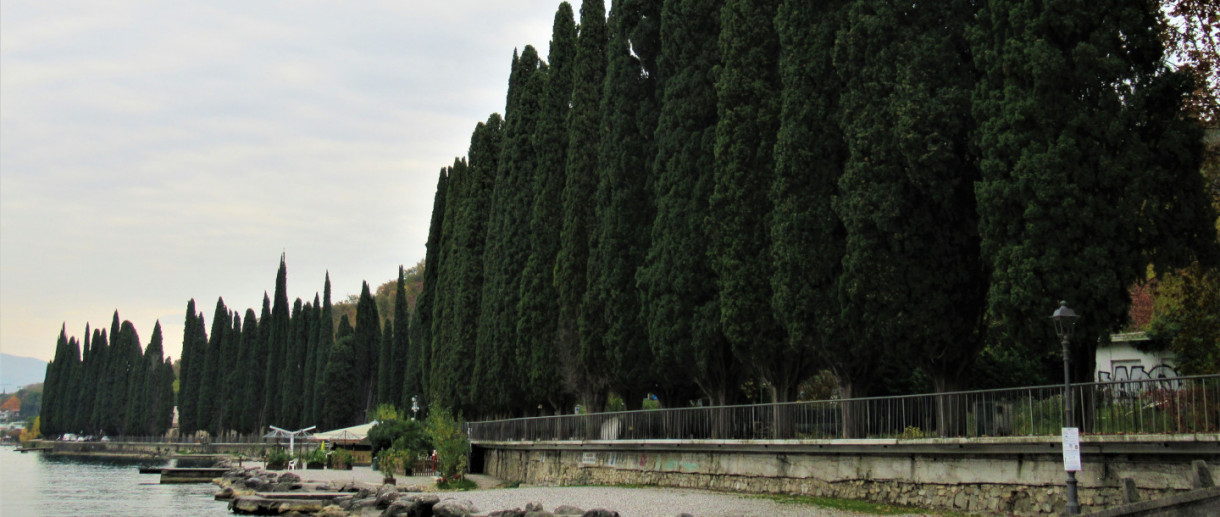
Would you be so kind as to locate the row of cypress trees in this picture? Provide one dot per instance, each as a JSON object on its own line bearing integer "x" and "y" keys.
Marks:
{"x": 686, "y": 195}
{"x": 112, "y": 387}
{"x": 291, "y": 368}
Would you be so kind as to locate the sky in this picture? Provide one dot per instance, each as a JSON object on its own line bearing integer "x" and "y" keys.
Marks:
{"x": 153, "y": 152}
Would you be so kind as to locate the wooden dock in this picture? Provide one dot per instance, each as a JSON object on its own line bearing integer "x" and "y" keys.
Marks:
{"x": 190, "y": 475}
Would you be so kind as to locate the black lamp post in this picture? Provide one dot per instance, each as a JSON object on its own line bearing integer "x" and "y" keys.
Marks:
{"x": 1065, "y": 321}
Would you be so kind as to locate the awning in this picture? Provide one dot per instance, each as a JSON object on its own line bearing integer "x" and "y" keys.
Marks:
{"x": 347, "y": 435}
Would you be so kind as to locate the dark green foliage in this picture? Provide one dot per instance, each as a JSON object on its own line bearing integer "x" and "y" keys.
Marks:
{"x": 1066, "y": 134}
{"x": 248, "y": 371}
{"x": 326, "y": 337}
{"x": 366, "y": 346}
{"x": 277, "y": 347}
{"x": 681, "y": 305}
{"x": 398, "y": 434}
{"x": 538, "y": 307}
{"x": 158, "y": 401}
{"x": 463, "y": 267}
{"x": 261, "y": 355}
{"x": 912, "y": 280}
{"x": 291, "y": 368}
{"x": 611, "y": 327}
{"x": 209, "y": 389}
{"x": 807, "y": 237}
{"x": 443, "y": 303}
{"x": 496, "y": 370}
{"x": 748, "y": 106}
{"x": 406, "y": 375}
{"x": 342, "y": 391}
{"x": 385, "y": 365}
{"x": 421, "y": 323}
{"x": 309, "y": 370}
{"x": 580, "y": 184}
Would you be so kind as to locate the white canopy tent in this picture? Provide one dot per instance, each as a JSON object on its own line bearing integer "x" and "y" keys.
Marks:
{"x": 347, "y": 435}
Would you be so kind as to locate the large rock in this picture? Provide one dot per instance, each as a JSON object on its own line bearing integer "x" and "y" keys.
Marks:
{"x": 599, "y": 512}
{"x": 453, "y": 508}
{"x": 411, "y": 506}
{"x": 568, "y": 509}
{"x": 386, "y": 494}
{"x": 289, "y": 477}
{"x": 515, "y": 512}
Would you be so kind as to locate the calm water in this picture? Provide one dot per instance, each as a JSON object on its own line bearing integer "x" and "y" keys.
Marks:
{"x": 32, "y": 484}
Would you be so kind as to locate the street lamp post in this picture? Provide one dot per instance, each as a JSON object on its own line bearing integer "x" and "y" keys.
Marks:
{"x": 1065, "y": 321}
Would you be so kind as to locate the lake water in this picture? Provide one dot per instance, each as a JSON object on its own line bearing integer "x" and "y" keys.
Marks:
{"x": 33, "y": 484}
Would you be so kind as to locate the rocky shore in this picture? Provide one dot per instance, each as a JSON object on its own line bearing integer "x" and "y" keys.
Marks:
{"x": 254, "y": 491}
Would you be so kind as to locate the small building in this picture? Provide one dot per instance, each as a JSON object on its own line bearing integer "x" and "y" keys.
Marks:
{"x": 1134, "y": 356}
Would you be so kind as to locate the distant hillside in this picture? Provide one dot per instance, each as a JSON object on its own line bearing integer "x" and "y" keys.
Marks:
{"x": 16, "y": 371}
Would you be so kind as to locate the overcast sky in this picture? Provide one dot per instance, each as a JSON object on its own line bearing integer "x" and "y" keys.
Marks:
{"x": 152, "y": 152}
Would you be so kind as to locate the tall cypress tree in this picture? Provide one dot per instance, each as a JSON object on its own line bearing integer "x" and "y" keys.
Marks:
{"x": 309, "y": 373}
{"x": 1064, "y": 137}
{"x": 51, "y": 397}
{"x": 807, "y": 236}
{"x": 466, "y": 263}
{"x": 290, "y": 373}
{"x": 342, "y": 387}
{"x": 912, "y": 282}
{"x": 681, "y": 305}
{"x": 580, "y": 183}
{"x": 277, "y": 346}
{"x": 538, "y": 307}
{"x": 421, "y": 324}
{"x": 261, "y": 355}
{"x": 748, "y": 98}
{"x": 101, "y": 349}
{"x": 385, "y": 368}
{"x": 326, "y": 337}
{"x": 505, "y": 254}
{"x": 209, "y": 389}
{"x": 155, "y": 403}
{"x": 406, "y": 376}
{"x": 249, "y": 369}
{"x": 623, "y": 203}
{"x": 366, "y": 347}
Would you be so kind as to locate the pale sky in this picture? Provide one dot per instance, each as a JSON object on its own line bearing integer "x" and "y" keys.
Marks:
{"x": 152, "y": 152}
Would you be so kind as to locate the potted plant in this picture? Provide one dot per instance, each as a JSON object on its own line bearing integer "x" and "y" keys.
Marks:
{"x": 389, "y": 462}
{"x": 278, "y": 459}
{"x": 340, "y": 459}
{"x": 314, "y": 459}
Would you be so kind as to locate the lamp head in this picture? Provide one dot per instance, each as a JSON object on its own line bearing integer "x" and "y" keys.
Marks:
{"x": 1065, "y": 320}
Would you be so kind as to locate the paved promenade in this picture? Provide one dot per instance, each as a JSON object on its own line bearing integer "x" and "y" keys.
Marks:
{"x": 629, "y": 502}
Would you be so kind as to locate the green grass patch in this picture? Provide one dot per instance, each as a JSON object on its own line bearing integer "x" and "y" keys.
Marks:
{"x": 460, "y": 484}
{"x": 851, "y": 505}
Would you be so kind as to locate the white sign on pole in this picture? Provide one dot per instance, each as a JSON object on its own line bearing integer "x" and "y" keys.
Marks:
{"x": 1071, "y": 449}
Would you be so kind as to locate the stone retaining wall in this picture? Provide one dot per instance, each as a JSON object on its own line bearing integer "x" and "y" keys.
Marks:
{"x": 150, "y": 449}
{"x": 1019, "y": 476}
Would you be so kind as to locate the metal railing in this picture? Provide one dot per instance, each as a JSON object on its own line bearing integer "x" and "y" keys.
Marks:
{"x": 1152, "y": 406}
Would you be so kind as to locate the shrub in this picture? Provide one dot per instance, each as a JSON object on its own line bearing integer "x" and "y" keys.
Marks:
{"x": 277, "y": 459}
{"x": 451, "y": 444}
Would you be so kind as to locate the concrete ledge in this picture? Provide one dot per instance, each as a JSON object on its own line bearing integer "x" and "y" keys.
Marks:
{"x": 1196, "y": 503}
{"x": 1199, "y": 445}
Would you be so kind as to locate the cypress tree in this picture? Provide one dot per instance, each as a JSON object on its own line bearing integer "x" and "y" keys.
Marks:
{"x": 343, "y": 385}
{"x": 748, "y": 98}
{"x": 442, "y": 299}
{"x": 309, "y": 373}
{"x": 912, "y": 283}
{"x": 261, "y": 355}
{"x": 230, "y": 376}
{"x": 290, "y": 369}
{"x": 466, "y": 263}
{"x": 79, "y": 419}
{"x": 209, "y": 389}
{"x": 505, "y": 254}
{"x": 421, "y": 324}
{"x": 406, "y": 375}
{"x": 1065, "y": 137}
{"x": 51, "y": 398}
{"x": 277, "y": 346}
{"x": 249, "y": 369}
{"x": 366, "y": 345}
{"x": 345, "y": 328}
{"x": 580, "y": 183}
{"x": 155, "y": 403}
{"x": 326, "y": 337}
{"x": 538, "y": 307}
{"x": 385, "y": 367}
{"x": 681, "y": 305}
{"x": 611, "y": 327}
{"x": 97, "y": 373}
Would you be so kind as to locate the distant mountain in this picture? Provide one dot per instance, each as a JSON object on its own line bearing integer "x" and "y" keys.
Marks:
{"x": 16, "y": 371}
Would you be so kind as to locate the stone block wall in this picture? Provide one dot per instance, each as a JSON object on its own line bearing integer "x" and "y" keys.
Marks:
{"x": 1025, "y": 480}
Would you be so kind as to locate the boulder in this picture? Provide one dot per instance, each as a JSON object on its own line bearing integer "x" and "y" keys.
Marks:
{"x": 600, "y": 512}
{"x": 568, "y": 509}
{"x": 515, "y": 512}
{"x": 331, "y": 511}
{"x": 289, "y": 477}
{"x": 539, "y": 513}
{"x": 411, "y": 506}
{"x": 386, "y": 494}
{"x": 453, "y": 508}
{"x": 533, "y": 507}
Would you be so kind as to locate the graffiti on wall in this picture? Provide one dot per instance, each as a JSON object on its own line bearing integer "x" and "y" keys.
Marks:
{"x": 1137, "y": 373}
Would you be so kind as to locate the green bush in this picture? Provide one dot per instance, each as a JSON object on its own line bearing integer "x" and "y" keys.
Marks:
{"x": 340, "y": 459}
{"x": 451, "y": 444}
{"x": 277, "y": 459}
